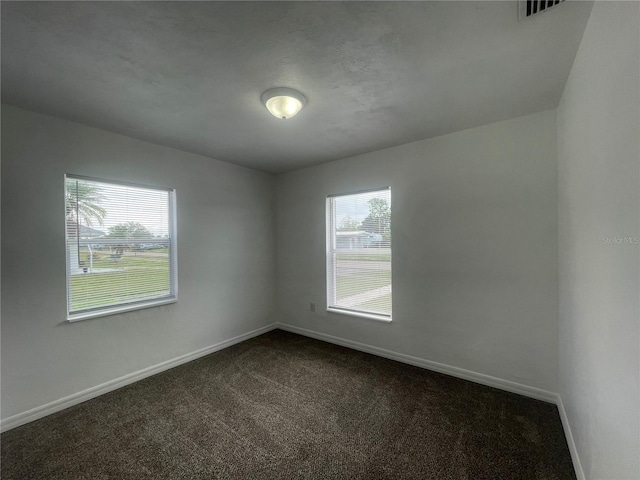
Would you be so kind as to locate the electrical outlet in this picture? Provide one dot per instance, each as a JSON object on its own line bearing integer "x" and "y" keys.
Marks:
{"x": 312, "y": 307}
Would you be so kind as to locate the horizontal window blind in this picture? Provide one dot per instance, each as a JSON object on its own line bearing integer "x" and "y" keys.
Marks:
{"x": 121, "y": 251}
{"x": 359, "y": 252}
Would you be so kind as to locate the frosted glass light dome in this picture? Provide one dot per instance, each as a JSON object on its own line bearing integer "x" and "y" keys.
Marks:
{"x": 283, "y": 102}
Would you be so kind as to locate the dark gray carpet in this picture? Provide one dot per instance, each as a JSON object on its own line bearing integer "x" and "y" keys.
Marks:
{"x": 285, "y": 406}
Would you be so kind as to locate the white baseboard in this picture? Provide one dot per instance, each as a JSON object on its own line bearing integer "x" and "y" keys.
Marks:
{"x": 480, "y": 378}
{"x": 66, "y": 402}
{"x": 570, "y": 442}
{"x": 532, "y": 392}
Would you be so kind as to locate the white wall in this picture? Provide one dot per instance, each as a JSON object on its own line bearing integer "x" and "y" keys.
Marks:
{"x": 474, "y": 249}
{"x": 599, "y": 198}
{"x": 225, "y": 217}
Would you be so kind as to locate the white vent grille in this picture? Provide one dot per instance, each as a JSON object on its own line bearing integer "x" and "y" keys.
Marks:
{"x": 529, "y": 8}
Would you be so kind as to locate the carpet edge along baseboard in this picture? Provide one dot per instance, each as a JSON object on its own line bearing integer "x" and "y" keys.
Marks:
{"x": 82, "y": 396}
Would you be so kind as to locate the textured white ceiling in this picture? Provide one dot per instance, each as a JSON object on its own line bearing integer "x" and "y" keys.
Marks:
{"x": 376, "y": 74}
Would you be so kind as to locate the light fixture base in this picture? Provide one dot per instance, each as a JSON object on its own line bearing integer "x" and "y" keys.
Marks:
{"x": 283, "y": 102}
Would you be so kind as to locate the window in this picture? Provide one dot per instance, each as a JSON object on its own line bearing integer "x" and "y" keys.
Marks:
{"x": 120, "y": 247}
{"x": 359, "y": 254}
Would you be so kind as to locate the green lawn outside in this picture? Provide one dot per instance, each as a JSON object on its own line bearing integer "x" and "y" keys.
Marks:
{"x": 354, "y": 278}
{"x": 364, "y": 257}
{"x": 158, "y": 250}
{"x": 136, "y": 277}
{"x": 380, "y": 304}
{"x": 104, "y": 259}
{"x": 351, "y": 284}
{"x": 142, "y": 276}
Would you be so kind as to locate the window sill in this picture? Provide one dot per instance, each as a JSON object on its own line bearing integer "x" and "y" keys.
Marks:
{"x": 76, "y": 317}
{"x": 353, "y": 313}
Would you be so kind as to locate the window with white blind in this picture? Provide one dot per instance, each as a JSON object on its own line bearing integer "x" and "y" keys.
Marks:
{"x": 359, "y": 254}
{"x": 120, "y": 247}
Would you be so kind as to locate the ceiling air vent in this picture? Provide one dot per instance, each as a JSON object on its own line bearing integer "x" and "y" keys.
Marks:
{"x": 529, "y": 8}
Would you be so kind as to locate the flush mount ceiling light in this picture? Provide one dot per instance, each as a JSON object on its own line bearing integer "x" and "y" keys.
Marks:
{"x": 283, "y": 102}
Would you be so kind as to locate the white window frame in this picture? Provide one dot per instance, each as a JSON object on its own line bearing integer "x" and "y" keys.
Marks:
{"x": 331, "y": 271}
{"x": 173, "y": 258}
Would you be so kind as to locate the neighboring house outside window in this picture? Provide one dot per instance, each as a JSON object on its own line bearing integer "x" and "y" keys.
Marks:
{"x": 120, "y": 247}
{"x": 359, "y": 254}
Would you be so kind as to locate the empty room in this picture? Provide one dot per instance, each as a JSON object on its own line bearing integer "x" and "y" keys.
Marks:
{"x": 320, "y": 240}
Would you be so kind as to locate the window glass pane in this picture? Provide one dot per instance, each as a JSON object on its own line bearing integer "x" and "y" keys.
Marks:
{"x": 120, "y": 245}
{"x": 359, "y": 252}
